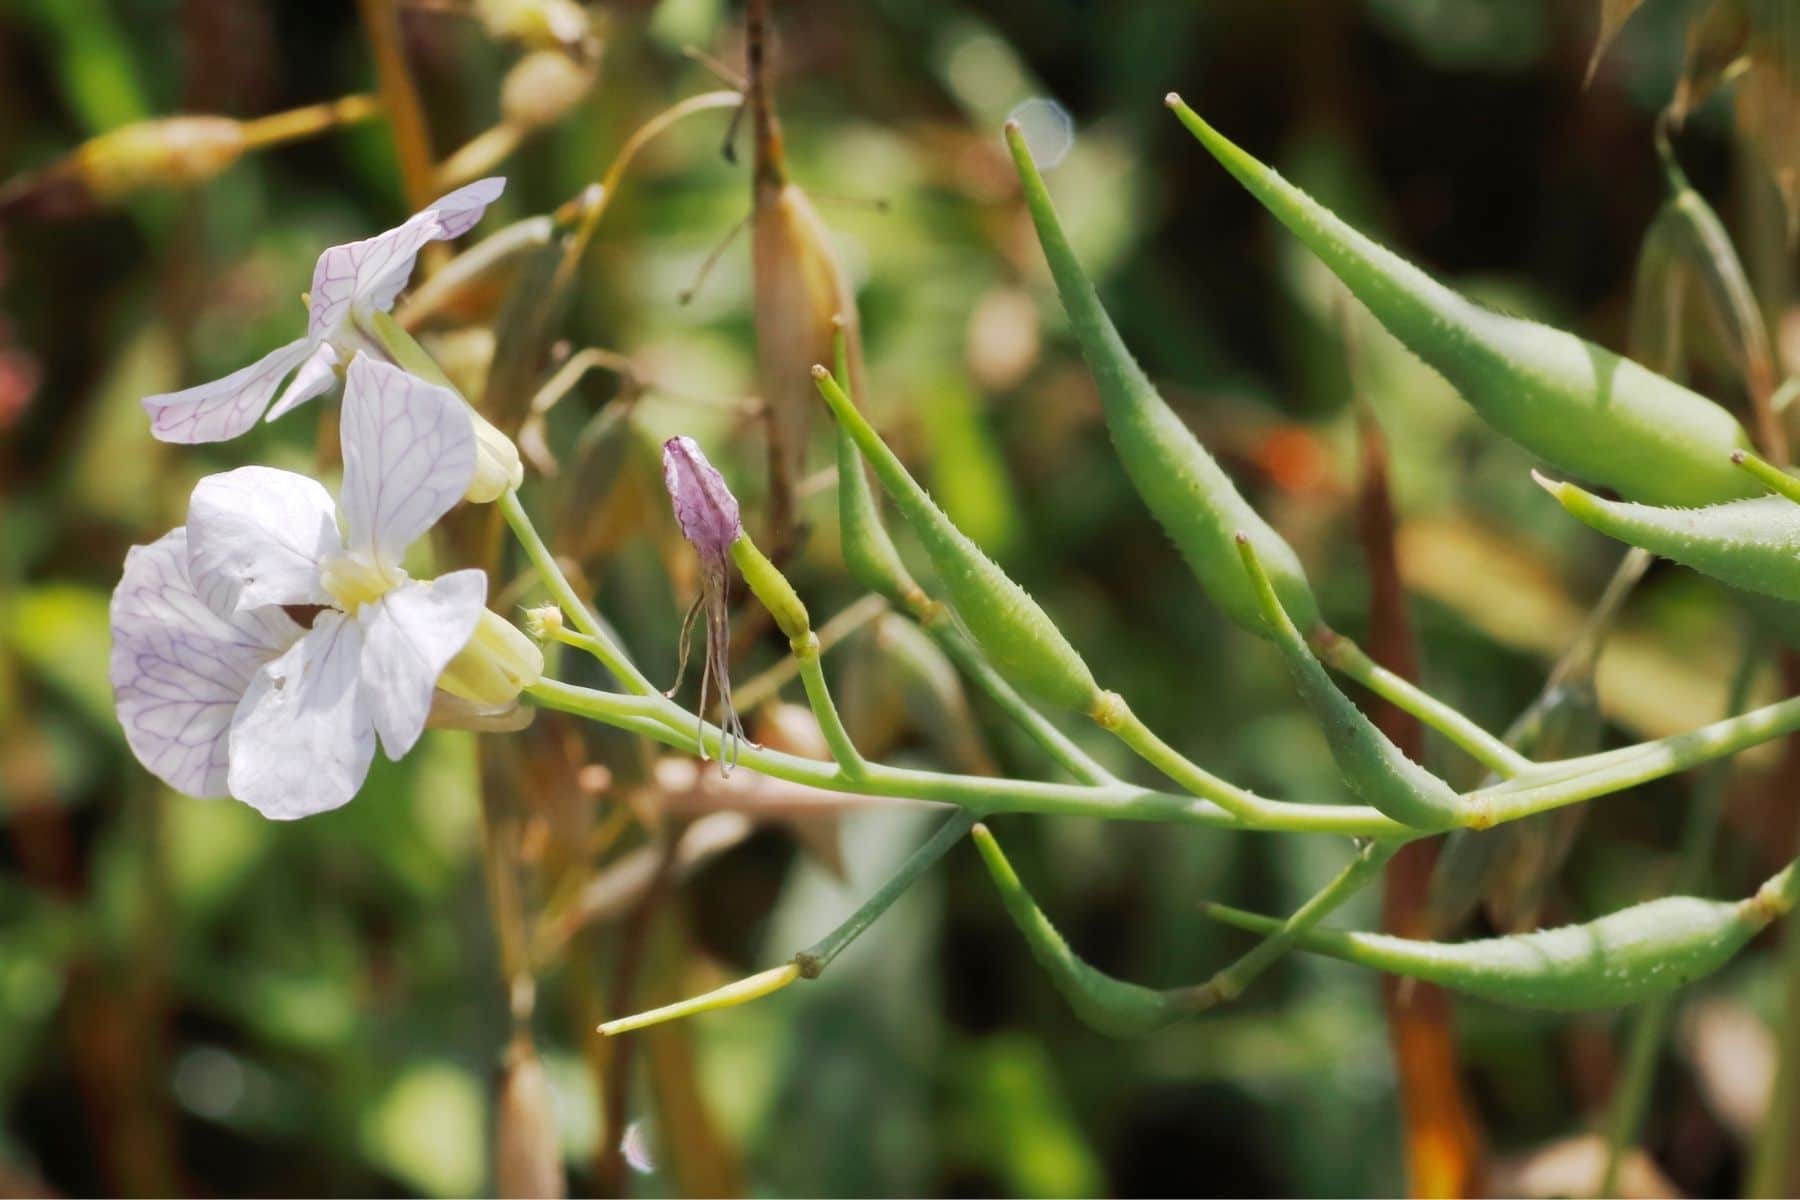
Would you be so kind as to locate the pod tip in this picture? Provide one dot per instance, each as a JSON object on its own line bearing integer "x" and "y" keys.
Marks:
{"x": 1173, "y": 99}
{"x": 838, "y": 322}
{"x": 819, "y": 371}
{"x": 1738, "y": 457}
{"x": 1011, "y": 128}
{"x": 1242, "y": 538}
{"x": 1553, "y": 486}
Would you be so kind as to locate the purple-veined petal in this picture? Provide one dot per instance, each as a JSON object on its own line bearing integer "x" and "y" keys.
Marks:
{"x": 224, "y": 408}
{"x": 409, "y": 454}
{"x": 409, "y": 636}
{"x": 704, "y": 507}
{"x": 370, "y": 273}
{"x": 256, "y": 537}
{"x": 314, "y": 378}
{"x": 301, "y": 739}
{"x": 179, "y": 669}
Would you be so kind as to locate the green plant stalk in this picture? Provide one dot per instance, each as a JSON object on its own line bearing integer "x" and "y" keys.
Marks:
{"x": 812, "y": 676}
{"x": 768, "y": 684}
{"x": 1054, "y": 742}
{"x": 1621, "y": 958}
{"x": 1772, "y": 477}
{"x": 1229, "y": 982}
{"x": 600, "y": 643}
{"x": 1631, "y": 1094}
{"x": 1579, "y": 406}
{"x": 1246, "y": 806}
{"x": 669, "y": 723}
{"x": 1570, "y": 781}
{"x": 1347, "y": 658}
{"x": 813, "y": 960}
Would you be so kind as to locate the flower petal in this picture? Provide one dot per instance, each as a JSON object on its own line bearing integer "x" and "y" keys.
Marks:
{"x": 179, "y": 669}
{"x": 409, "y": 454}
{"x": 409, "y": 636}
{"x": 301, "y": 740}
{"x": 371, "y": 272}
{"x": 256, "y": 537}
{"x": 224, "y": 408}
{"x": 314, "y": 378}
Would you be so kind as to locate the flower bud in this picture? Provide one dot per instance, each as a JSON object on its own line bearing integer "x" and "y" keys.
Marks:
{"x": 704, "y": 507}
{"x": 542, "y": 87}
{"x": 535, "y": 22}
{"x": 498, "y": 663}
{"x": 172, "y": 151}
{"x": 498, "y": 468}
{"x": 545, "y": 623}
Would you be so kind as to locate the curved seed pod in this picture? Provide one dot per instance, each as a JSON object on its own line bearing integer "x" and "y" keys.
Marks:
{"x": 770, "y": 586}
{"x": 1575, "y": 404}
{"x": 1621, "y": 958}
{"x": 1750, "y": 544}
{"x": 1371, "y": 764}
{"x": 1109, "y": 1005}
{"x": 1193, "y": 499}
{"x": 1021, "y": 639}
{"x": 869, "y": 553}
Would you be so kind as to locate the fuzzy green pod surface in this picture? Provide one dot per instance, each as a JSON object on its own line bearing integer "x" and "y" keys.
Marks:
{"x": 1021, "y": 639}
{"x": 869, "y": 553}
{"x": 1376, "y": 769}
{"x": 1109, "y": 1005}
{"x": 1621, "y": 958}
{"x": 1750, "y": 544}
{"x": 1193, "y": 499}
{"x": 1576, "y": 405}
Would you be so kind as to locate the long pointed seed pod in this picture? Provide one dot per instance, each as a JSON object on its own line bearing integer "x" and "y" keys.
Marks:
{"x": 1621, "y": 958}
{"x": 1192, "y": 497}
{"x": 802, "y": 293}
{"x": 1751, "y": 544}
{"x": 1109, "y": 1005}
{"x": 1576, "y": 405}
{"x": 1372, "y": 765}
{"x": 869, "y": 553}
{"x": 1021, "y": 639}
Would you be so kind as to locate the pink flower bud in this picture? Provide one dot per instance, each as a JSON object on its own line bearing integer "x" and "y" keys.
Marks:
{"x": 704, "y": 506}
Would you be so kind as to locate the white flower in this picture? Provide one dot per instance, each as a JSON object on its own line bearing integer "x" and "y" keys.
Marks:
{"x": 260, "y": 652}
{"x": 349, "y": 282}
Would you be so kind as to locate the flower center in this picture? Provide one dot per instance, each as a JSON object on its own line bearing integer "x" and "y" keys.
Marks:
{"x": 353, "y": 581}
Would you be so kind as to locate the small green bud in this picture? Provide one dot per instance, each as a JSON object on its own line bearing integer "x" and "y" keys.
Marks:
{"x": 772, "y": 588}
{"x": 1024, "y": 644}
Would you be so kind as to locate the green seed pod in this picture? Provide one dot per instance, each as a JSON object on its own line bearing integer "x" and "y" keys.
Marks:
{"x": 869, "y": 553}
{"x": 1024, "y": 644}
{"x": 771, "y": 587}
{"x": 1112, "y": 1006}
{"x": 1372, "y": 765}
{"x": 1621, "y": 958}
{"x": 1192, "y": 497}
{"x": 1750, "y": 544}
{"x": 1575, "y": 404}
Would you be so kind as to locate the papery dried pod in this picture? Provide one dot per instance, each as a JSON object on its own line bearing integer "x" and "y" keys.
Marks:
{"x": 1577, "y": 405}
{"x": 527, "y": 1148}
{"x": 803, "y": 297}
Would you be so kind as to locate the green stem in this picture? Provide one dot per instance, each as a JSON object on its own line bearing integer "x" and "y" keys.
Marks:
{"x": 1558, "y": 784}
{"x": 1054, "y": 742}
{"x": 1631, "y": 1095}
{"x": 1347, "y": 658}
{"x": 1230, "y": 982}
{"x": 813, "y": 960}
{"x": 812, "y": 676}
{"x": 600, "y": 644}
{"x": 669, "y": 723}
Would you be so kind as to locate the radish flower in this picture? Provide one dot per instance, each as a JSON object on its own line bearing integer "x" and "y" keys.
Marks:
{"x": 260, "y": 652}
{"x": 350, "y": 283}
